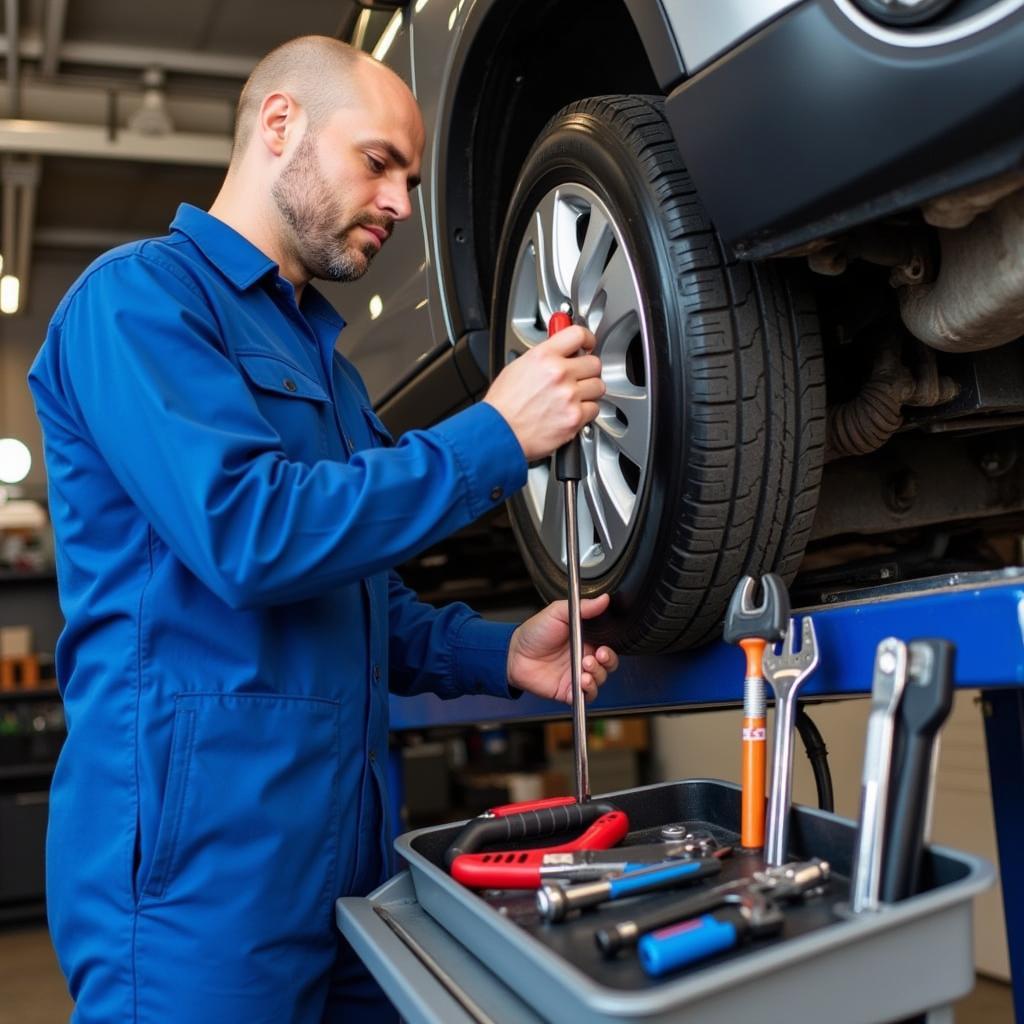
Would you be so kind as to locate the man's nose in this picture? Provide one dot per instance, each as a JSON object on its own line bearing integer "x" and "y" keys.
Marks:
{"x": 393, "y": 199}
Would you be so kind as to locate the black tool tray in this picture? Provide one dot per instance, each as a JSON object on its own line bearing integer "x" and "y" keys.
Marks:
{"x": 827, "y": 965}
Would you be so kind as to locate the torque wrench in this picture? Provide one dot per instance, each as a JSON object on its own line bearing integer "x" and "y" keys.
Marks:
{"x": 569, "y": 472}
{"x": 890, "y": 679}
{"x": 554, "y": 902}
{"x": 786, "y": 672}
{"x": 927, "y": 701}
{"x": 794, "y": 881}
{"x": 751, "y": 626}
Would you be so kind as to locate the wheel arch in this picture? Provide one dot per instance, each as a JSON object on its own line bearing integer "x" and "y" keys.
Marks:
{"x": 517, "y": 65}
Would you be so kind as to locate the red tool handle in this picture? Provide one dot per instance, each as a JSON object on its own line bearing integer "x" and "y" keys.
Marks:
{"x": 530, "y": 805}
{"x": 558, "y": 322}
{"x": 520, "y": 869}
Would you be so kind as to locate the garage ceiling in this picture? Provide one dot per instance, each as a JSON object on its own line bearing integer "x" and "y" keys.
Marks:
{"x": 77, "y": 98}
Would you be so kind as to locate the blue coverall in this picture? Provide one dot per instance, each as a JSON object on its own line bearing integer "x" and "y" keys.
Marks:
{"x": 227, "y": 510}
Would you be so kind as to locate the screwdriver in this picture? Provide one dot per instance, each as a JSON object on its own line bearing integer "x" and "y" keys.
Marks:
{"x": 569, "y": 472}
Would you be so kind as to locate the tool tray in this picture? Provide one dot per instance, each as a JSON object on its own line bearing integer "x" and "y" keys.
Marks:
{"x": 827, "y": 965}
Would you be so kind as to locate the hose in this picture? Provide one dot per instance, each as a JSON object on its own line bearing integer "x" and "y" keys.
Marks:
{"x": 817, "y": 754}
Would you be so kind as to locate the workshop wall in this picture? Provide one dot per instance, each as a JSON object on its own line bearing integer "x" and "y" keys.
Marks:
{"x": 20, "y": 337}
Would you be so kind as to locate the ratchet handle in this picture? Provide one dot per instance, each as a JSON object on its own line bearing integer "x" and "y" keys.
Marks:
{"x": 548, "y": 821}
{"x": 568, "y": 458}
{"x": 926, "y": 704}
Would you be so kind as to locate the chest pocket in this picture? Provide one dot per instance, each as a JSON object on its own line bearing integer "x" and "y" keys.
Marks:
{"x": 293, "y": 403}
{"x": 380, "y": 436}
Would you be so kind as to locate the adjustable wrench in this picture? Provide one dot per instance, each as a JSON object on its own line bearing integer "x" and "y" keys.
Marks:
{"x": 786, "y": 673}
{"x": 569, "y": 471}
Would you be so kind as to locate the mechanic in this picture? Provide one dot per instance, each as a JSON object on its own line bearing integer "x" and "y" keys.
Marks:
{"x": 228, "y": 510}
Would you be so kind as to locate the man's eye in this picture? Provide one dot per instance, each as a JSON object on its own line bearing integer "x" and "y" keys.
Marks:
{"x": 375, "y": 165}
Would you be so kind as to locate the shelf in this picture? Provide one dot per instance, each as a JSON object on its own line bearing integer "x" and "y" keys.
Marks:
{"x": 27, "y": 771}
{"x": 38, "y": 693}
{"x": 14, "y": 576}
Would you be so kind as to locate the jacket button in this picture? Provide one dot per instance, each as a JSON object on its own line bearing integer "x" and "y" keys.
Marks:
{"x": 376, "y": 672}
{"x": 373, "y": 756}
{"x": 496, "y": 493}
{"x": 289, "y": 384}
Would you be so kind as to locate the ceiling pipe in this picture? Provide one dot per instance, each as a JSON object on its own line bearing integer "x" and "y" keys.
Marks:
{"x": 53, "y": 36}
{"x": 13, "y": 59}
{"x": 28, "y": 189}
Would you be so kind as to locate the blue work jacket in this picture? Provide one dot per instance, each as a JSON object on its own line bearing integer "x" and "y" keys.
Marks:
{"x": 227, "y": 510}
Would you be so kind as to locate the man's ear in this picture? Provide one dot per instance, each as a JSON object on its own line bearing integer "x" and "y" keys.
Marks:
{"x": 276, "y": 120}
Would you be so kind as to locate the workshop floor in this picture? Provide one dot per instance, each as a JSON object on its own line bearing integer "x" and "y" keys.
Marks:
{"x": 32, "y": 989}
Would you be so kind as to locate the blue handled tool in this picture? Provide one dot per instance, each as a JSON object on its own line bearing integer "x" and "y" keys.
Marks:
{"x": 691, "y": 941}
{"x": 554, "y": 901}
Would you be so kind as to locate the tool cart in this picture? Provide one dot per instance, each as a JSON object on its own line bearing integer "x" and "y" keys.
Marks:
{"x": 444, "y": 953}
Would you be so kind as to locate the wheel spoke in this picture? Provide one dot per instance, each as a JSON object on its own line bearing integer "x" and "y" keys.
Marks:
{"x": 552, "y": 239}
{"x": 610, "y": 520}
{"x": 620, "y": 302}
{"x": 520, "y": 336}
{"x": 590, "y": 265}
{"x": 633, "y": 437}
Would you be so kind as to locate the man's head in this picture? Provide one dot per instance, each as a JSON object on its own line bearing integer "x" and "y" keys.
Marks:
{"x": 337, "y": 137}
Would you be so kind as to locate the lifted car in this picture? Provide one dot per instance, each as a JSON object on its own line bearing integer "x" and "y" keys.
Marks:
{"x": 796, "y": 228}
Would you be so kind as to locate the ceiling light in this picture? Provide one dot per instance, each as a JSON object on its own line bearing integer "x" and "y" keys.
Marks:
{"x": 376, "y": 307}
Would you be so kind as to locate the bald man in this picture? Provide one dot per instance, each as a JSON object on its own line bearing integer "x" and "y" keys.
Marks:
{"x": 228, "y": 511}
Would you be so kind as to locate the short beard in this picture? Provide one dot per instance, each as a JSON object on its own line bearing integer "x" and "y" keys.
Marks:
{"x": 311, "y": 208}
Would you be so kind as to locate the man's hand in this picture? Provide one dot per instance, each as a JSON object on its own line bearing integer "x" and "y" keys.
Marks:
{"x": 549, "y": 392}
{"x": 538, "y": 656}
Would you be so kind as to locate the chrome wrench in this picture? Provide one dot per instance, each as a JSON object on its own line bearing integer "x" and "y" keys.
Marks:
{"x": 569, "y": 472}
{"x": 890, "y": 680}
{"x": 785, "y": 673}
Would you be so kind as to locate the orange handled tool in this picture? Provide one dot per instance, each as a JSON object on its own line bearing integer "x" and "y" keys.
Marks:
{"x": 752, "y": 627}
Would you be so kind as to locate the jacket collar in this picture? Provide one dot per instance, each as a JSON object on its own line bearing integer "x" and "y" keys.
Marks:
{"x": 232, "y": 254}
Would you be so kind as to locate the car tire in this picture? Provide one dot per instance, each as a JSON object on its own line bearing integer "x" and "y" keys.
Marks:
{"x": 728, "y": 354}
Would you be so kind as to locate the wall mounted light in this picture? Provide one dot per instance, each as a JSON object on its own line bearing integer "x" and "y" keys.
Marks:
{"x": 15, "y": 460}
{"x": 10, "y": 293}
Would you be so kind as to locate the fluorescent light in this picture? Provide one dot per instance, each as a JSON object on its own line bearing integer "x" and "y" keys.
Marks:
{"x": 10, "y": 288}
{"x": 420, "y": 4}
{"x": 376, "y": 307}
{"x": 388, "y": 36}
{"x": 15, "y": 460}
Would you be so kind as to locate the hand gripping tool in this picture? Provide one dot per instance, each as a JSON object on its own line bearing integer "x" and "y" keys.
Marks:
{"x": 569, "y": 472}
{"x": 786, "y": 673}
{"x": 752, "y": 626}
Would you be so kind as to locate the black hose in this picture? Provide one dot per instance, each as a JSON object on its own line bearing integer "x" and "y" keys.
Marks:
{"x": 817, "y": 754}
